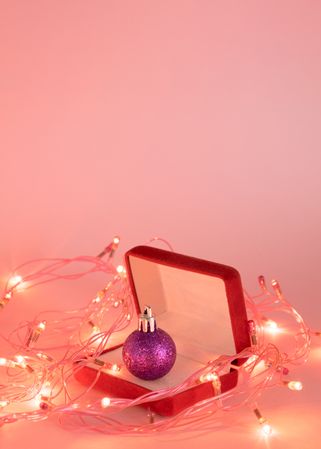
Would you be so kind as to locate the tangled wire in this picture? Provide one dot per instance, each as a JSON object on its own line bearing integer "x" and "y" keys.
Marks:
{"x": 37, "y": 379}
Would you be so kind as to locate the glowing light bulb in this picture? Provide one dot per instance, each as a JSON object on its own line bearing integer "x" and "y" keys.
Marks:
{"x": 214, "y": 378}
{"x": 41, "y": 326}
{"x": 277, "y": 288}
{"x": 15, "y": 280}
{"x": 110, "y": 366}
{"x": 46, "y": 390}
{"x": 111, "y": 248}
{"x": 114, "y": 246}
{"x": 43, "y": 356}
{"x": 120, "y": 269}
{"x": 115, "y": 368}
{"x": 271, "y": 326}
{"x": 100, "y": 295}
{"x": 3, "y": 403}
{"x": 105, "y": 402}
{"x": 5, "y": 299}
{"x": 294, "y": 385}
{"x": 35, "y": 333}
{"x": 116, "y": 304}
{"x": 44, "y": 394}
{"x": 95, "y": 329}
{"x": 266, "y": 429}
{"x": 128, "y": 316}
{"x": 20, "y": 360}
{"x": 210, "y": 377}
{"x": 7, "y": 363}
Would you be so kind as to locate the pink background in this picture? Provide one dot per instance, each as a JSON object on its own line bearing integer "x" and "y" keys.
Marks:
{"x": 198, "y": 121}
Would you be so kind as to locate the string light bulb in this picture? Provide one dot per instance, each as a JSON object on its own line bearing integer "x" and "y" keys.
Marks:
{"x": 116, "y": 240}
{"x": 262, "y": 283}
{"x": 114, "y": 246}
{"x": 208, "y": 377}
{"x": 252, "y": 331}
{"x": 21, "y": 363}
{"x": 277, "y": 288}
{"x": 45, "y": 357}
{"x": 15, "y": 280}
{"x": 114, "y": 367}
{"x": 266, "y": 428}
{"x": 7, "y": 363}
{"x": 271, "y": 326}
{"x": 214, "y": 378}
{"x": 5, "y": 299}
{"x": 105, "y": 402}
{"x": 35, "y": 333}
{"x": 41, "y": 326}
{"x": 111, "y": 248}
{"x": 43, "y": 397}
{"x": 95, "y": 329}
{"x": 294, "y": 385}
{"x": 99, "y": 297}
{"x": 121, "y": 269}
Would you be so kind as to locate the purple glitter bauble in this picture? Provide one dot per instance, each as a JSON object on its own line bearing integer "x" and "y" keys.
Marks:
{"x": 149, "y": 355}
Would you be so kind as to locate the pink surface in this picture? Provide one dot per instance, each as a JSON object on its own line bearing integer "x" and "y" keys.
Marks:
{"x": 195, "y": 121}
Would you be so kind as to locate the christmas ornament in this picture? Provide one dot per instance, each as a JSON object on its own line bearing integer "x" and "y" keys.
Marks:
{"x": 149, "y": 353}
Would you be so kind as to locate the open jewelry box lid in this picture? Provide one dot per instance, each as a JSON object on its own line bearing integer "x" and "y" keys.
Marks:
{"x": 200, "y": 304}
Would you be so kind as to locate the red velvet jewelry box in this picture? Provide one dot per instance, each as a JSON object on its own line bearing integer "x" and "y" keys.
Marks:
{"x": 200, "y": 304}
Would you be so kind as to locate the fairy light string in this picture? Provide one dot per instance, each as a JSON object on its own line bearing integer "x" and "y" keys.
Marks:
{"x": 38, "y": 379}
